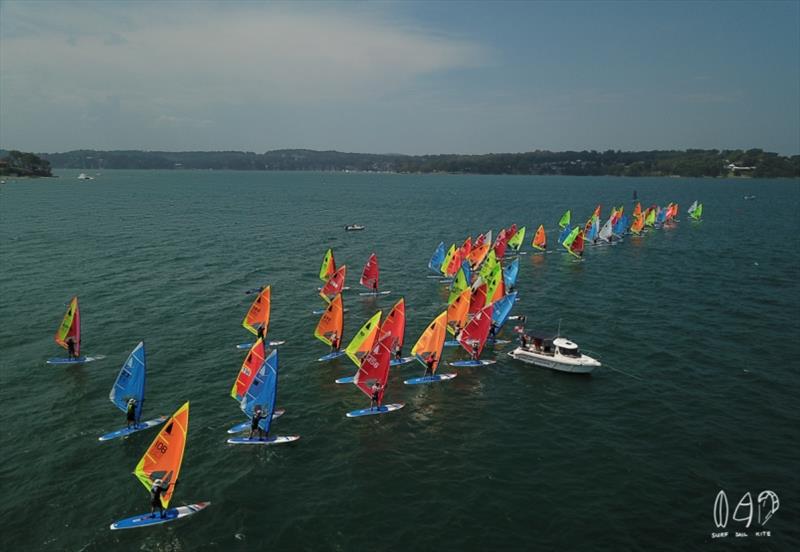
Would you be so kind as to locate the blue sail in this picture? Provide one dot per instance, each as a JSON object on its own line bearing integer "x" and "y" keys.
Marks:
{"x": 262, "y": 391}
{"x": 467, "y": 271}
{"x": 510, "y": 273}
{"x": 661, "y": 216}
{"x": 564, "y": 233}
{"x": 435, "y": 264}
{"x": 502, "y": 308}
{"x": 592, "y": 233}
{"x": 130, "y": 382}
{"x": 621, "y": 225}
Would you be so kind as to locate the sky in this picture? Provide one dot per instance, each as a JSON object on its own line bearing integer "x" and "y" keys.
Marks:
{"x": 399, "y": 77}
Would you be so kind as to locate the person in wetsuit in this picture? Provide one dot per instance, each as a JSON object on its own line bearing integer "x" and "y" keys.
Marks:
{"x": 260, "y": 334}
{"x": 429, "y": 364}
{"x": 335, "y": 343}
{"x": 158, "y": 488}
{"x": 130, "y": 412}
{"x": 255, "y": 426}
{"x": 70, "y": 341}
{"x": 376, "y": 395}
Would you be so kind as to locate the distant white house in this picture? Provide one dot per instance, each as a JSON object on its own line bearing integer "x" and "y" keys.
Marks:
{"x": 733, "y": 167}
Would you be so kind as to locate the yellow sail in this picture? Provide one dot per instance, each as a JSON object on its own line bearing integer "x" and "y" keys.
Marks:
{"x": 457, "y": 311}
{"x": 258, "y": 315}
{"x": 363, "y": 340}
{"x": 431, "y": 341}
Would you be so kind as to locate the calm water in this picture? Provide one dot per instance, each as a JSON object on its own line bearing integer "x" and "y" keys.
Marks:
{"x": 697, "y": 327}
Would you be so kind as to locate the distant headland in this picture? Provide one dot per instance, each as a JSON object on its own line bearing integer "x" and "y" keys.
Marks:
{"x": 754, "y": 163}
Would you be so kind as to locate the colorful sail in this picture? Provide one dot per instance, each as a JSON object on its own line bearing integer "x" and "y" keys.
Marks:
{"x": 466, "y": 247}
{"x": 510, "y": 274}
{"x": 574, "y": 242}
{"x": 638, "y": 224}
{"x": 697, "y": 213}
{"x": 252, "y": 362}
{"x": 516, "y": 240}
{"x": 335, "y": 284}
{"x": 478, "y": 298}
{"x": 489, "y": 265}
{"x": 460, "y": 283}
{"x": 564, "y": 233}
{"x": 621, "y": 226}
{"x": 328, "y": 266}
{"x": 692, "y": 208}
{"x": 362, "y": 342}
{"x": 591, "y": 229}
{"x": 478, "y": 254}
{"x": 473, "y": 338}
{"x": 467, "y": 271}
{"x": 637, "y": 210}
{"x": 258, "y": 315}
{"x": 565, "y": 220}
{"x": 650, "y": 217}
{"x": 164, "y": 456}
{"x": 502, "y": 309}
{"x": 447, "y": 258}
{"x": 458, "y": 310}
{"x": 606, "y": 232}
{"x": 495, "y": 286}
{"x": 454, "y": 264}
{"x": 371, "y": 273}
{"x": 501, "y": 244}
{"x": 395, "y": 322}
{"x": 70, "y": 327}
{"x": 540, "y": 239}
{"x": 130, "y": 382}
{"x": 375, "y": 366}
{"x": 431, "y": 341}
{"x": 332, "y": 321}
{"x": 435, "y": 264}
{"x": 263, "y": 391}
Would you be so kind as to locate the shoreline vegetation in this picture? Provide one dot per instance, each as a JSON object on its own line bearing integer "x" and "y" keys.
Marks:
{"x": 754, "y": 163}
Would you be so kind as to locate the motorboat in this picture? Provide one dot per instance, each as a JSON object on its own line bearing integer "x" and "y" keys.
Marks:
{"x": 556, "y": 353}
{"x": 84, "y": 176}
{"x": 354, "y": 227}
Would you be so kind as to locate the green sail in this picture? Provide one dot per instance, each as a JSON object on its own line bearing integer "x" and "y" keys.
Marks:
{"x": 651, "y": 218}
{"x": 571, "y": 238}
{"x": 516, "y": 240}
{"x": 447, "y": 258}
{"x": 459, "y": 285}
{"x": 362, "y": 341}
{"x": 488, "y": 264}
{"x": 493, "y": 280}
{"x": 697, "y": 213}
{"x": 565, "y": 218}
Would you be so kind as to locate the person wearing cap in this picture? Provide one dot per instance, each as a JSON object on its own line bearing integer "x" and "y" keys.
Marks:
{"x": 158, "y": 488}
{"x": 258, "y": 415}
{"x": 131, "y": 412}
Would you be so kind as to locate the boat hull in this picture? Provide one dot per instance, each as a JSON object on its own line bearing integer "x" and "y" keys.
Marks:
{"x": 583, "y": 365}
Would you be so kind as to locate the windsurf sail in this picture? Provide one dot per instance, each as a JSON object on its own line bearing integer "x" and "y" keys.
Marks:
{"x": 467, "y": 271}
{"x": 510, "y": 274}
{"x": 697, "y": 213}
{"x": 502, "y": 309}
{"x": 332, "y": 321}
{"x": 591, "y": 229}
{"x": 650, "y": 217}
{"x": 431, "y": 341}
{"x": 395, "y": 322}
{"x": 454, "y": 263}
{"x": 252, "y": 362}
{"x": 164, "y": 456}
{"x": 478, "y": 297}
{"x": 258, "y": 315}
{"x": 460, "y": 283}
{"x": 501, "y": 244}
{"x": 637, "y": 210}
{"x": 335, "y": 284}
{"x": 606, "y": 232}
{"x": 540, "y": 239}
{"x": 457, "y": 311}
{"x": 621, "y": 225}
{"x": 565, "y": 220}
{"x": 263, "y": 391}
{"x": 435, "y": 264}
{"x": 371, "y": 273}
{"x": 130, "y": 382}
{"x": 466, "y": 247}
{"x": 638, "y": 224}
{"x": 516, "y": 240}
{"x": 362, "y": 342}
{"x": 478, "y": 254}
{"x": 473, "y": 338}
{"x": 495, "y": 286}
{"x": 489, "y": 265}
{"x": 70, "y": 328}
{"x": 574, "y": 242}
{"x": 375, "y": 367}
{"x": 447, "y": 258}
{"x": 692, "y": 208}
{"x": 564, "y": 233}
{"x": 328, "y": 266}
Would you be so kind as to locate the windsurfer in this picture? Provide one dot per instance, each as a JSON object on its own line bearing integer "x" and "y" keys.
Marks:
{"x": 376, "y": 396}
{"x": 474, "y": 352}
{"x": 130, "y": 412}
{"x": 429, "y": 365}
{"x": 493, "y": 331}
{"x": 258, "y": 415}
{"x": 159, "y": 487}
{"x": 260, "y": 332}
{"x": 398, "y": 351}
{"x": 375, "y": 287}
{"x": 70, "y": 341}
{"x": 335, "y": 342}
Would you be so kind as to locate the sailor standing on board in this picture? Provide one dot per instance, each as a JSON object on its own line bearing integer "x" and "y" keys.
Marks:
{"x": 429, "y": 365}
{"x": 255, "y": 423}
{"x": 130, "y": 412}
{"x": 335, "y": 342}
{"x": 260, "y": 332}
{"x": 474, "y": 353}
{"x": 376, "y": 396}
{"x": 159, "y": 487}
{"x": 70, "y": 341}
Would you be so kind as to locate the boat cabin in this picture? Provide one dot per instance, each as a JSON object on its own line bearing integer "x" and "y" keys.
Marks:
{"x": 567, "y": 348}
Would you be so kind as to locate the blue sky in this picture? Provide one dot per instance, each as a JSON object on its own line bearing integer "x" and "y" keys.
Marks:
{"x": 405, "y": 77}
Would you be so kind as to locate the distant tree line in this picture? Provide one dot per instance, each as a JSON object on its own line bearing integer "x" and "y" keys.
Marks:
{"x": 693, "y": 162}
{"x": 20, "y": 163}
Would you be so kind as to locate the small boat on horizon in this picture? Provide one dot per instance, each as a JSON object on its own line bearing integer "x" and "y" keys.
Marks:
{"x": 354, "y": 227}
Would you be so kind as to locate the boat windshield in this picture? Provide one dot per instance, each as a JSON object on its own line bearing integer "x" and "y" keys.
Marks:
{"x": 575, "y": 353}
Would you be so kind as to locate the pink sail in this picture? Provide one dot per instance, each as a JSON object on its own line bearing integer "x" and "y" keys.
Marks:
{"x": 369, "y": 278}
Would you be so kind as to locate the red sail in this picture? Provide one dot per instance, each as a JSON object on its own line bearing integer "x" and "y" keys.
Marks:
{"x": 477, "y": 331}
{"x": 375, "y": 366}
{"x": 478, "y": 299}
{"x": 577, "y": 244}
{"x": 511, "y": 231}
{"x": 455, "y": 263}
{"x": 395, "y": 322}
{"x": 466, "y": 248}
{"x": 335, "y": 284}
{"x": 369, "y": 278}
{"x": 500, "y": 244}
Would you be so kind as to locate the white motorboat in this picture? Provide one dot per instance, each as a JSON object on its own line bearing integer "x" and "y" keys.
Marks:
{"x": 354, "y": 227}
{"x": 555, "y": 353}
{"x": 84, "y": 176}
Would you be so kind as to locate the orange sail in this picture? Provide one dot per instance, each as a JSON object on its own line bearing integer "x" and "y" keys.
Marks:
{"x": 332, "y": 321}
{"x": 258, "y": 315}
{"x": 638, "y": 224}
{"x": 250, "y": 367}
{"x": 637, "y": 210}
{"x": 164, "y": 456}
{"x": 431, "y": 341}
{"x": 478, "y": 254}
{"x": 540, "y": 239}
{"x": 457, "y": 311}
{"x": 395, "y": 322}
